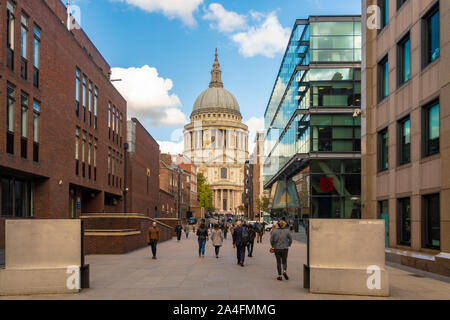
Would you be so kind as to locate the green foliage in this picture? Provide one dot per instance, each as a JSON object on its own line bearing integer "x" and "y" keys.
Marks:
{"x": 263, "y": 204}
{"x": 204, "y": 193}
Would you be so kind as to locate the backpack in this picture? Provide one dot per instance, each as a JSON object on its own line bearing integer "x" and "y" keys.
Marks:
{"x": 245, "y": 235}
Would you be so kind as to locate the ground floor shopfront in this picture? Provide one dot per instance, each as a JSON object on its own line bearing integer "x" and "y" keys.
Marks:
{"x": 27, "y": 196}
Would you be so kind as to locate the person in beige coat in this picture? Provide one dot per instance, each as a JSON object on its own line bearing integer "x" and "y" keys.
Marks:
{"x": 217, "y": 239}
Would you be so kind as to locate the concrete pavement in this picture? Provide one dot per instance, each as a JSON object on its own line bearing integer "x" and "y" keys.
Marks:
{"x": 180, "y": 274}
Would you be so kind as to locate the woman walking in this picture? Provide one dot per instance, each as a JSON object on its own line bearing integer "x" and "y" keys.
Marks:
{"x": 202, "y": 234}
{"x": 217, "y": 239}
{"x": 281, "y": 240}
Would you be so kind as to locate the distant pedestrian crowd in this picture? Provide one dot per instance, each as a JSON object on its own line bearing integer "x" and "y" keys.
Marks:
{"x": 243, "y": 235}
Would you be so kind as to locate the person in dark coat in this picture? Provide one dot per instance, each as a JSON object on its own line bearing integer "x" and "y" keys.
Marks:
{"x": 240, "y": 240}
{"x": 281, "y": 240}
{"x": 202, "y": 234}
{"x": 251, "y": 240}
{"x": 178, "y": 231}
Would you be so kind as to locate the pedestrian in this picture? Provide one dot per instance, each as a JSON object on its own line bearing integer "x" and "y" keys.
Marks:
{"x": 281, "y": 240}
{"x": 225, "y": 230}
{"x": 240, "y": 240}
{"x": 202, "y": 234}
{"x": 251, "y": 240}
{"x": 178, "y": 230}
{"x": 259, "y": 232}
{"x": 153, "y": 238}
{"x": 186, "y": 230}
{"x": 217, "y": 239}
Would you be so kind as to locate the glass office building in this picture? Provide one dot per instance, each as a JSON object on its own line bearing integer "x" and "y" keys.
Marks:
{"x": 313, "y": 121}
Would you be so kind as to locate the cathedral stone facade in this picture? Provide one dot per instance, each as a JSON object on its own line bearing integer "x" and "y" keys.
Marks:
{"x": 216, "y": 141}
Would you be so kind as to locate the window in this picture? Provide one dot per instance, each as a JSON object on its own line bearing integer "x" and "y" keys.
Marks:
{"x": 24, "y": 126}
{"x": 77, "y": 92}
{"x": 400, "y": 3}
{"x": 431, "y": 129}
{"x": 90, "y": 104}
{"x": 120, "y": 129}
{"x": 109, "y": 120}
{"x": 95, "y": 107}
{"x": 430, "y": 36}
{"x": 16, "y": 197}
{"x": 383, "y": 150}
{"x": 36, "y": 116}
{"x": 404, "y": 222}
{"x": 77, "y": 151}
{"x": 113, "y": 119}
{"x": 10, "y": 119}
{"x": 335, "y": 133}
{"x": 89, "y": 157}
{"x": 224, "y": 173}
{"x": 84, "y": 98}
{"x": 24, "y": 46}
{"x": 83, "y": 155}
{"x": 10, "y": 17}
{"x": 109, "y": 166}
{"x": 431, "y": 223}
{"x": 404, "y": 143}
{"x": 383, "y": 79}
{"x": 95, "y": 159}
{"x": 384, "y": 5}
{"x": 36, "y": 58}
{"x": 404, "y": 60}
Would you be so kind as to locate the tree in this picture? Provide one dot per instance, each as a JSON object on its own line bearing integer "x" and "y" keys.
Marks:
{"x": 263, "y": 204}
{"x": 204, "y": 193}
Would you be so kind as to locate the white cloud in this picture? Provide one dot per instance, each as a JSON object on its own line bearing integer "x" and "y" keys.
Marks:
{"x": 224, "y": 20}
{"x": 148, "y": 96}
{"x": 254, "y": 125}
{"x": 171, "y": 147}
{"x": 181, "y": 9}
{"x": 266, "y": 39}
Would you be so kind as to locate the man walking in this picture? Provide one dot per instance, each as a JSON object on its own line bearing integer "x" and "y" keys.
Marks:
{"x": 186, "y": 230}
{"x": 153, "y": 238}
{"x": 251, "y": 240}
{"x": 240, "y": 240}
{"x": 259, "y": 232}
{"x": 178, "y": 231}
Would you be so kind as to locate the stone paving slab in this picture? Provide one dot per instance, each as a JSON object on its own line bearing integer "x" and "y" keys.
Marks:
{"x": 179, "y": 274}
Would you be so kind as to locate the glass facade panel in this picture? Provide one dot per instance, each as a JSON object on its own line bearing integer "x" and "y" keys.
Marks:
{"x": 383, "y": 150}
{"x": 405, "y": 141}
{"x": 404, "y": 221}
{"x": 431, "y": 222}
{"x": 432, "y": 130}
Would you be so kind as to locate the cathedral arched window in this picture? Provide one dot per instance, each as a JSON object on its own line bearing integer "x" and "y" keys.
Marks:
{"x": 223, "y": 173}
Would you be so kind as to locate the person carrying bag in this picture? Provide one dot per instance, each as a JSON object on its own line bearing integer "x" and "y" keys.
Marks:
{"x": 281, "y": 240}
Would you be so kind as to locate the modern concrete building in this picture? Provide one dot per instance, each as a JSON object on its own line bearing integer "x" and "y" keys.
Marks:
{"x": 406, "y": 136}
{"x": 216, "y": 141}
{"x": 63, "y": 122}
{"x": 312, "y": 121}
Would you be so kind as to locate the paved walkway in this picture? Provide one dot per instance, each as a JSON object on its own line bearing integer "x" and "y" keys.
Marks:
{"x": 180, "y": 274}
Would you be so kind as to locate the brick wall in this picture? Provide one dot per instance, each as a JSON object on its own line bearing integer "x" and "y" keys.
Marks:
{"x": 61, "y": 53}
{"x": 142, "y": 171}
{"x": 106, "y": 238}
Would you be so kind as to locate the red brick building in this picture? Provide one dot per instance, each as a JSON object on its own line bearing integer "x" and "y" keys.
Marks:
{"x": 61, "y": 142}
{"x": 191, "y": 169}
{"x": 174, "y": 181}
{"x": 142, "y": 171}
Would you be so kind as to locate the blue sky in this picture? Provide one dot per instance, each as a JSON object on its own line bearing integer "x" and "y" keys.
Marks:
{"x": 176, "y": 40}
